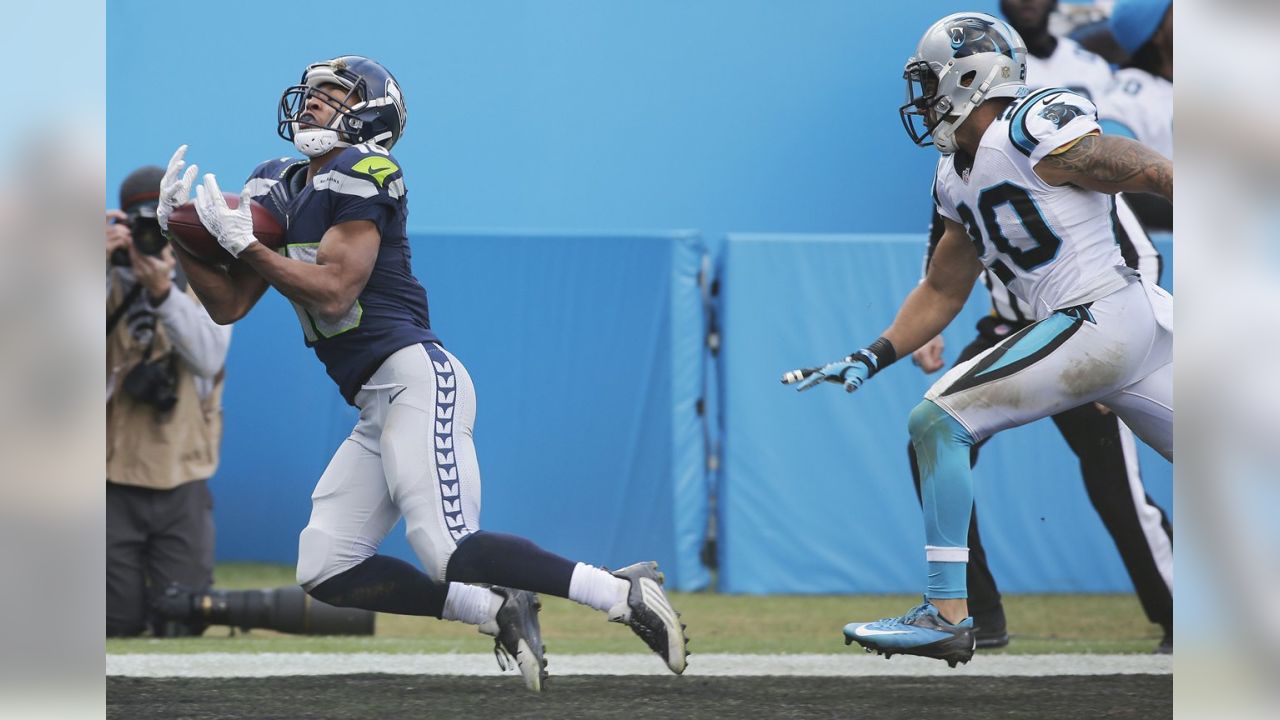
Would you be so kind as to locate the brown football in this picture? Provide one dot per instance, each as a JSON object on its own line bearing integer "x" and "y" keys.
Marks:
{"x": 191, "y": 234}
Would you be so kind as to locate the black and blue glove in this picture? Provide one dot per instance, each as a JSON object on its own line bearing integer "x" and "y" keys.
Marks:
{"x": 850, "y": 372}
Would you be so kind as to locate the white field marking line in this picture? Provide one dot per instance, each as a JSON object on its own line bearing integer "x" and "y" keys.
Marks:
{"x": 852, "y": 664}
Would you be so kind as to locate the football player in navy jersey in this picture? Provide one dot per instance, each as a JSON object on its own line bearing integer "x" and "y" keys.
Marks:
{"x": 346, "y": 269}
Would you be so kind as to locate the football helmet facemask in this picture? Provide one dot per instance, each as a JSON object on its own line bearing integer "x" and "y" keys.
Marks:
{"x": 371, "y": 110}
{"x": 961, "y": 61}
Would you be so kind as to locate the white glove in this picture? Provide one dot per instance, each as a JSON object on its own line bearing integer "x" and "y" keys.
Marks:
{"x": 232, "y": 228}
{"x": 174, "y": 190}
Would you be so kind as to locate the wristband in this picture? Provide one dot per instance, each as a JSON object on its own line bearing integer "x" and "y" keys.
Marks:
{"x": 878, "y": 355}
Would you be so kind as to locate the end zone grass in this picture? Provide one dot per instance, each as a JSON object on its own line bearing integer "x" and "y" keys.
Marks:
{"x": 717, "y": 624}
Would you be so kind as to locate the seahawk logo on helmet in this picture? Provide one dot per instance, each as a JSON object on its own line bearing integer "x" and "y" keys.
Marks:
{"x": 961, "y": 61}
{"x": 371, "y": 110}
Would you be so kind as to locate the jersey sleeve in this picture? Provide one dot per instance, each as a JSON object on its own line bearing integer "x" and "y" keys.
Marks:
{"x": 1049, "y": 119}
{"x": 936, "y": 228}
{"x": 942, "y": 204}
{"x": 363, "y": 184}
{"x": 266, "y": 176}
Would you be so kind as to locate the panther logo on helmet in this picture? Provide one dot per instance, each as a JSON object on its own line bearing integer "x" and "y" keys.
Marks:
{"x": 971, "y": 35}
{"x": 961, "y": 61}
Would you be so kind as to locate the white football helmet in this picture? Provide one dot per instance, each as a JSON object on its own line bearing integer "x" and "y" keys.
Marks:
{"x": 962, "y": 60}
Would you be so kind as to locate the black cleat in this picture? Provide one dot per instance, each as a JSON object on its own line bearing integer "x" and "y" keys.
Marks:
{"x": 990, "y": 631}
{"x": 990, "y": 641}
{"x": 649, "y": 614}
{"x": 517, "y": 635}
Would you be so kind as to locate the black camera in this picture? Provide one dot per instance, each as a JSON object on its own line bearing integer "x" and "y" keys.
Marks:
{"x": 154, "y": 383}
{"x": 285, "y": 609}
{"x": 148, "y": 238}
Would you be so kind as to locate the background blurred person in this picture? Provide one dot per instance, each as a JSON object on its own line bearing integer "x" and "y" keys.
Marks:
{"x": 165, "y": 359}
{"x": 1139, "y": 104}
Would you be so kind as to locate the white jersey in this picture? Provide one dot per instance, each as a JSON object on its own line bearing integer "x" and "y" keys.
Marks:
{"x": 1070, "y": 66}
{"x": 1053, "y": 247}
{"x": 1139, "y": 105}
{"x": 1075, "y": 68}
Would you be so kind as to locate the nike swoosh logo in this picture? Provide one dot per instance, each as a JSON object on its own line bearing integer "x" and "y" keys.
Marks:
{"x": 395, "y": 395}
{"x": 863, "y": 631}
{"x": 1051, "y": 98}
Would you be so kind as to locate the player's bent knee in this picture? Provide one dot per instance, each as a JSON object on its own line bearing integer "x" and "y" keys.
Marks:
{"x": 316, "y": 560}
{"x": 929, "y": 423}
{"x": 434, "y": 549}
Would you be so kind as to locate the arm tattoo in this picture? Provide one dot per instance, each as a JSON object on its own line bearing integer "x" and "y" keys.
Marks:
{"x": 1115, "y": 164}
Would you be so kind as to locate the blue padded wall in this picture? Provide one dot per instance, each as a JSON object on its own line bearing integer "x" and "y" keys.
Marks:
{"x": 815, "y": 493}
{"x": 586, "y": 354}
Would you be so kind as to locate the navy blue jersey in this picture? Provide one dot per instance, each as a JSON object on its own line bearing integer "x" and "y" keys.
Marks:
{"x": 362, "y": 183}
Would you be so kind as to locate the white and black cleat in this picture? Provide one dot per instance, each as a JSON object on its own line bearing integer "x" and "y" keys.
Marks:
{"x": 649, "y": 614}
{"x": 518, "y": 636}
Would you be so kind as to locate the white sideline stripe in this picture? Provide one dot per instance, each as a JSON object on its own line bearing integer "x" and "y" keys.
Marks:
{"x": 851, "y": 664}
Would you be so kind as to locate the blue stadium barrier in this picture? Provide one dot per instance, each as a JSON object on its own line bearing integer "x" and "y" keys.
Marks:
{"x": 815, "y": 493}
{"x": 586, "y": 352}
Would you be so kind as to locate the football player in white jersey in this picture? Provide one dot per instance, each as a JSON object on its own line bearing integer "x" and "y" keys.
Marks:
{"x": 1054, "y": 61}
{"x": 1139, "y": 104}
{"x": 1104, "y": 446}
{"x": 1025, "y": 185}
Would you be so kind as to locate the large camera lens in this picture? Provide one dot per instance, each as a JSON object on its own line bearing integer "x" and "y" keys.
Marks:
{"x": 285, "y": 609}
{"x": 147, "y": 237}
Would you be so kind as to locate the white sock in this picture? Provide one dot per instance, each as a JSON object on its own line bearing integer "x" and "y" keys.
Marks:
{"x": 471, "y": 604}
{"x": 596, "y": 588}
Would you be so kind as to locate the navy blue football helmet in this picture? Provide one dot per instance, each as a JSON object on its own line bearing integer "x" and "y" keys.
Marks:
{"x": 372, "y": 109}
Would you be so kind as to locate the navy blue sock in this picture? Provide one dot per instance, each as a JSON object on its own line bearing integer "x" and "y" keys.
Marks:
{"x": 500, "y": 559}
{"x": 384, "y": 584}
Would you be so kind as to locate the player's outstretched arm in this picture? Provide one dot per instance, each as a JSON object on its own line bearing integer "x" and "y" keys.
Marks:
{"x": 928, "y": 309}
{"x": 228, "y": 293}
{"x": 935, "y": 302}
{"x": 1110, "y": 164}
{"x": 328, "y": 287}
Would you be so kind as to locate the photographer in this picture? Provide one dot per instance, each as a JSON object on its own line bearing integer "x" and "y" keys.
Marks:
{"x": 165, "y": 361}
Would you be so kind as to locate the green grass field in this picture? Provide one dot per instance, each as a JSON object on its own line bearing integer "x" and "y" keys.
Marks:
{"x": 717, "y": 624}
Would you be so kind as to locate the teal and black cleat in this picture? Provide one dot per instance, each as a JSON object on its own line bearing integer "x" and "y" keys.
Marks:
{"x": 922, "y": 631}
